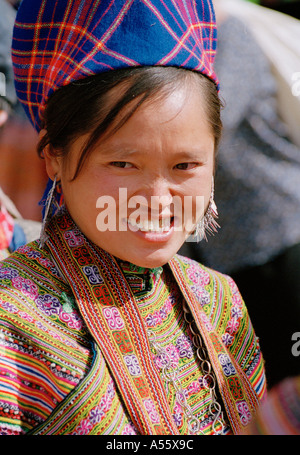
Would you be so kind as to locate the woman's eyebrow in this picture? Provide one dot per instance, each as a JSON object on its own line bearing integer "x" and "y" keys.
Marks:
{"x": 117, "y": 152}
{"x": 112, "y": 152}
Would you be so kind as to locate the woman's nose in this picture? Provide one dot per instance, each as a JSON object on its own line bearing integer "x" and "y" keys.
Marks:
{"x": 157, "y": 186}
{"x": 158, "y": 194}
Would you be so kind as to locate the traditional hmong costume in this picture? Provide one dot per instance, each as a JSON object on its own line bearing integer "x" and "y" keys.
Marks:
{"x": 76, "y": 354}
{"x": 91, "y": 344}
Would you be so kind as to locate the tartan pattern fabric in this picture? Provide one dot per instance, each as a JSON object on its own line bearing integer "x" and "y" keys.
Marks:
{"x": 56, "y": 42}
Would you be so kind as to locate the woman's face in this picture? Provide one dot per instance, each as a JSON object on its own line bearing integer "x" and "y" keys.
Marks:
{"x": 139, "y": 186}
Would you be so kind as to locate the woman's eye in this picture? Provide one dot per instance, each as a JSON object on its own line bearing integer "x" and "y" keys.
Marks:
{"x": 185, "y": 166}
{"x": 121, "y": 164}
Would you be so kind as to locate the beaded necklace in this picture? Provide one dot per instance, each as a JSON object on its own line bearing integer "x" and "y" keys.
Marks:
{"x": 170, "y": 375}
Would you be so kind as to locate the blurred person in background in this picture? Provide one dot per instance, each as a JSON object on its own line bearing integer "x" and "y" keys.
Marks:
{"x": 14, "y": 230}
{"x": 258, "y": 196}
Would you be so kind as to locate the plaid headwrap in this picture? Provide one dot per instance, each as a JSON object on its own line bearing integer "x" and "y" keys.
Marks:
{"x": 58, "y": 41}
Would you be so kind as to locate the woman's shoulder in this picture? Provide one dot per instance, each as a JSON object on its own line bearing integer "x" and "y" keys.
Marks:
{"x": 29, "y": 261}
{"x": 32, "y": 291}
{"x": 198, "y": 273}
{"x": 225, "y": 310}
{"x": 41, "y": 331}
{"x": 218, "y": 296}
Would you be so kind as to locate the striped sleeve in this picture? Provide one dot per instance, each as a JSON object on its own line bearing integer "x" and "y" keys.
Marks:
{"x": 239, "y": 336}
{"x": 226, "y": 311}
{"x": 279, "y": 414}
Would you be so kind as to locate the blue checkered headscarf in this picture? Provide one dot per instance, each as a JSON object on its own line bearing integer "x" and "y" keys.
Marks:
{"x": 58, "y": 41}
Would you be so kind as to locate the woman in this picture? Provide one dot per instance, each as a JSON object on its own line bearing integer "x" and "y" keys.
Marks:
{"x": 105, "y": 329}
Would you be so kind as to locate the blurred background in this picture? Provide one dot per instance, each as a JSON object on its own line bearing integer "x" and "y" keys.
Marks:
{"x": 22, "y": 173}
{"x": 291, "y": 7}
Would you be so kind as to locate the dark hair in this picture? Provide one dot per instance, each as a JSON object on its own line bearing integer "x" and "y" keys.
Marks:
{"x": 82, "y": 107}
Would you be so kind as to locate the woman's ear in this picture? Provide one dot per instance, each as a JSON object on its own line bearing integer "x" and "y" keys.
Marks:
{"x": 52, "y": 161}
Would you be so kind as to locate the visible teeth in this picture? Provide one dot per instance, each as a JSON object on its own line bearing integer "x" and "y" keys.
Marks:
{"x": 154, "y": 226}
{"x": 151, "y": 226}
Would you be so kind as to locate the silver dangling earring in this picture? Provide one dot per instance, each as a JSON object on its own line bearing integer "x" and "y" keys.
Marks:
{"x": 49, "y": 208}
{"x": 208, "y": 223}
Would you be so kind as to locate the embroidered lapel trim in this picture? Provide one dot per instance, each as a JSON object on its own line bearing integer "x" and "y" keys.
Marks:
{"x": 111, "y": 314}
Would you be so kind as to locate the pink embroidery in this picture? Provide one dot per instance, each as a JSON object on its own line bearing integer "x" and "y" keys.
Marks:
{"x": 74, "y": 238}
{"x": 198, "y": 275}
{"x": 237, "y": 299}
{"x": 7, "y": 228}
{"x": 171, "y": 355}
{"x": 25, "y": 316}
{"x": 244, "y": 412}
{"x": 97, "y": 413}
{"x": 128, "y": 430}
{"x": 26, "y": 286}
{"x": 84, "y": 427}
{"x": 206, "y": 321}
{"x": 73, "y": 320}
{"x": 236, "y": 313}
{"x": 150, "y": 407}
{"x": 159, "y": 316}
{"x": 194, "y": 387}
{"x": 113, "y": 318}
{"x": 232, "y": 326}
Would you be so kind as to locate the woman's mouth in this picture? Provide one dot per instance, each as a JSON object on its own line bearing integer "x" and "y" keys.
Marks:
{"x": 156, "y": 225}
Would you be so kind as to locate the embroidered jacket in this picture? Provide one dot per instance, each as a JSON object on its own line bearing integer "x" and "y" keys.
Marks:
{"x": 75, "y": 356}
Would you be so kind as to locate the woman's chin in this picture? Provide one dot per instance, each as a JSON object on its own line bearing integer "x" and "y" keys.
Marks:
{"x": 155, "y": 259}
